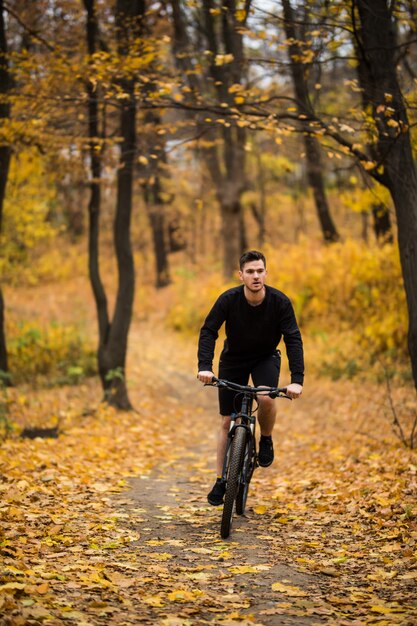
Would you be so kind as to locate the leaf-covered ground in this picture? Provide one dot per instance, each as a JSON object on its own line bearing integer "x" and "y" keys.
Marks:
{"x": 109, "y": 524}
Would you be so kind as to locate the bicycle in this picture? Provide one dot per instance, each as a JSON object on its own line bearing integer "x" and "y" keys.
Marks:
{"x": 241, "y": 458}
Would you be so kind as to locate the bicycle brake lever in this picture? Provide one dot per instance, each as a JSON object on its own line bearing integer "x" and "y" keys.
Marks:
{"x": 279, "y": 395}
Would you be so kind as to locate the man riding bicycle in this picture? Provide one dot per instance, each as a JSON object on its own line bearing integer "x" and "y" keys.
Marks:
{"x": 257, "y": 316}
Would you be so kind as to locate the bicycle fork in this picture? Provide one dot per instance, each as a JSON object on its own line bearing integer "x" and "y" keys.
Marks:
{"x": 250, "y": 458}
{"x": 249, "y": 449}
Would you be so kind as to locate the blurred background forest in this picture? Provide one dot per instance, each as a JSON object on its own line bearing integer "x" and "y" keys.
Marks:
{"x": 145, "y": 145}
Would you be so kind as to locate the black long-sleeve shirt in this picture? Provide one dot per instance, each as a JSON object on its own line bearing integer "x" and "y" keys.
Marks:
{"x": 252, "y": 332}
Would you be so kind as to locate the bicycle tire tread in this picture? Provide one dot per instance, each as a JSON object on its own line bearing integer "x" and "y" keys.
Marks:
{"x": 243, "y": 489}
{"x": 236, "y": 460}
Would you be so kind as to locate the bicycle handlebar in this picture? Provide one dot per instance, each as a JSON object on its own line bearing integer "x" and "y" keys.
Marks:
{"x": 272, "y": 392}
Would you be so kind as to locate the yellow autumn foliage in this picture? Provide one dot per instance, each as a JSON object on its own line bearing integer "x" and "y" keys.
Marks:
{"x": 350, "y": 300}
{"x": 28, "y": 204}
{"x": 192, "y": 299}
{"x": 54, "y": 352}
{"x": 360, "y": 199}
{"x": 48, "y": 265}
{"x": 348, "y": 297}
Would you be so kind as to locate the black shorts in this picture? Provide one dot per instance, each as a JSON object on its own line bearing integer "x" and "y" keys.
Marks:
{"x": 263, "y": 372}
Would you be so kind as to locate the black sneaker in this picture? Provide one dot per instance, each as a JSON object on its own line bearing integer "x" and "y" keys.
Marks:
{"x": 216, "y": 495}
{"x": 266, "y": 451}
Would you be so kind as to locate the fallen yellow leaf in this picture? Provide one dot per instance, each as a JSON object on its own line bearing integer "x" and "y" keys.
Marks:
{"x": 162, "y": 556}
{"x": 183, "y": 595}
{"x": 153, "y": 601}
{"x": 243, "y": 569}
{"x": 43, "y": 588}
{"x": 386, "y": 609}
{"x": 17, "y": 586}
{"x": 288, "y": 590}
{"x": 261, "y": 509}
{"x": 201, "y": 550}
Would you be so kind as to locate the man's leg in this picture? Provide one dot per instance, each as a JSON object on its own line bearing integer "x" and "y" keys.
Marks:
{"x": 266, "y": 373}
{"x": 222, "y": 442}
{"x": 216, "y": 495}
{"x": 267, "y": 413}
{"x": 266, "y": 419}
{"x": 239, "y": 375}
{"x": 227, "y": 407}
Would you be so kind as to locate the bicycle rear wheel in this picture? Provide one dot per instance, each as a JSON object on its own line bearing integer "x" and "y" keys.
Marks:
{"x": 235, "y": 467}
{"x": 243, "y": 487}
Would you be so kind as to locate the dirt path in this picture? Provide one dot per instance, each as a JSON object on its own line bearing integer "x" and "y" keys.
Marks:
{"x": 213, "y": 581}
{"x": 253, "y": 577}
{"x": 109, "y": 525}
{"x": 200, "y": 578}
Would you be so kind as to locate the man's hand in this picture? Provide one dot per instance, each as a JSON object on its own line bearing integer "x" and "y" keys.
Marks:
{"x": 205, "y": 377}
{"x": 294, "y": 390}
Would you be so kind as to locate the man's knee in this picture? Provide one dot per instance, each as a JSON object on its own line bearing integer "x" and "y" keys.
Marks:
{"x": 267, "y": 404}
{"x": 225, "y": 422}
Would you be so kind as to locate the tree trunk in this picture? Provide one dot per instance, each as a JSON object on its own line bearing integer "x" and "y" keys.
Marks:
{"x": 226, "y": 164}
{"x": 229, "y": 190}
{"x": 405, "y": 201}
{"x": 316, "y": 182}
{"x": 382, "y": 223}
{"x": 376, "y": 48}
{"x": 380, "y": 213}
{"x": 112, "y": 357}
{"x": 260, "y": 212}
{"x": 311, "y": 144}
{"x": 113, "y": 335}
{"x": 94, "y": 206}
{"x": 227, "y": 173}
{"x": 5, "y": 153}
{"x": 364, "y": 221}
{"x": 157, "y": 222}
{"x": 113, "y": 350}
{"x": 4, "y": 378}
{"x": 156, "y": 204}
{"x": 232, "y": 242}
{"x": 225, "y": 161}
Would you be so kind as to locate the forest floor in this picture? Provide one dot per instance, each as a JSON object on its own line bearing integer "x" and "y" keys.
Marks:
{"x": 109, "y": 522}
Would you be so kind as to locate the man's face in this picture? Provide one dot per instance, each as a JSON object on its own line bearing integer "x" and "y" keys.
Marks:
{"x": 253, "y": 275}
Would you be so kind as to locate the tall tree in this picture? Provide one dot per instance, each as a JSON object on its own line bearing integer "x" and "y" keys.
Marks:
{"x": 156, "y": 205}
{"x": 374, "y": 28}
{"x": 227, "y": 168}
{"x": 152, "y": 169}
{"x": 382, "y": 140}
{"x": 113, "y": 333}
{"x": 380, "y": 212}
{"x": 295, "y": 33}
{"x": 221, "y": 25}
{"x": 5, "y": 153}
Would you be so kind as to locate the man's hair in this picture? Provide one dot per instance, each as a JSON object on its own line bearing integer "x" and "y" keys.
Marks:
{"x": 251, "y": 255}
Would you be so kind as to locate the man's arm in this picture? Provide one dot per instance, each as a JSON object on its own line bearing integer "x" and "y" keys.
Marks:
{"x": 207, "y": 340}
{"x": 205, "y": 377}
{"x": 295, "y": 353}
{"x": 294, "y": 390}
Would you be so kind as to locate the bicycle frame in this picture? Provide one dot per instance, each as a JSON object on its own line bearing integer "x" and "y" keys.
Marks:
{"x": 240, "y": 458}
{"x": 247, "y": 420}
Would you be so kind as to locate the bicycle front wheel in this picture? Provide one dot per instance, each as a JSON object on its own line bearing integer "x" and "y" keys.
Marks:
{"x": 235, "y": 468}
{"x": 243, "y": 487}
